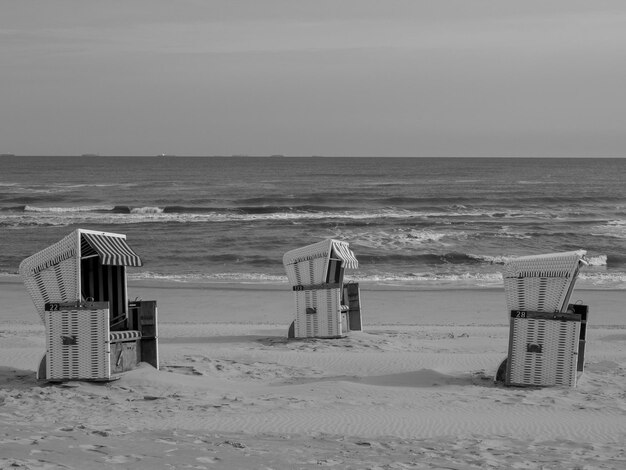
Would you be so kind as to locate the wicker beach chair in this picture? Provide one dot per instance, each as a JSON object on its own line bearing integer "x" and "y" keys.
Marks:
{"x": 79, "y": 288}
{"x": 325, "y": 307}
{"x": 547, "y": 333}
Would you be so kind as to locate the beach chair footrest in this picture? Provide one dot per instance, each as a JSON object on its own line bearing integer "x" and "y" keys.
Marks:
{"x": 125, "y": 355}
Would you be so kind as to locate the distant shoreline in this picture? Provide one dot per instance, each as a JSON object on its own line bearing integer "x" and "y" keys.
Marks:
{"x": 418, "y": 157}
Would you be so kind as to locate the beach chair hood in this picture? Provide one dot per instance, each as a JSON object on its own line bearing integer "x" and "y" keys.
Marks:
{"x": 53, "y": 274}
{"x": 325, "y": 249}
{"x": 542, "y": 282}
{"x": 548, "y": 265}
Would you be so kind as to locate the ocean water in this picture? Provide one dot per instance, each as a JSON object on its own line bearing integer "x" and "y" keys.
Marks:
{"x": 423, "y": 222}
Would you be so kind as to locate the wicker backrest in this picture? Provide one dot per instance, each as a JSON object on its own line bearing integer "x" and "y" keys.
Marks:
{"x": 541, "y": 283}
{"x": 51, "y": 274}
{"x": 307, "y": 272}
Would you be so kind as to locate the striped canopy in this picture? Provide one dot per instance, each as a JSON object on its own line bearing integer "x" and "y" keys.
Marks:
{"x": 112, "y": 250}
{"x": 345, "y": 254}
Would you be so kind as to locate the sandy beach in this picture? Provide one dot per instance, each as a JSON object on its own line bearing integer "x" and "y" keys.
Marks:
{"x": 415, "y": 389}
{"x": 236, "y": 161}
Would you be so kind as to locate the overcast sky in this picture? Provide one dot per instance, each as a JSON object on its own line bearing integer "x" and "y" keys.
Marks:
{"x": 335, "y": 77}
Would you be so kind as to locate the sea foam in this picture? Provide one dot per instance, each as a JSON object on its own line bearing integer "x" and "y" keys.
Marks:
{"x": 58, "y": 210}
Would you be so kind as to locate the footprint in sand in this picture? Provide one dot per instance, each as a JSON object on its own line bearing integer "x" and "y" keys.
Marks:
{"x": 94, "y": 448}
{"x": 30, "y": 463}
{"x": 185, "y": 370}
{"x": 120, "y": 459}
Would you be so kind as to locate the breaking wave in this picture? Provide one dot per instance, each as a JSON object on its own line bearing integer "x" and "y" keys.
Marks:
{"x": 69, "y": 210}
